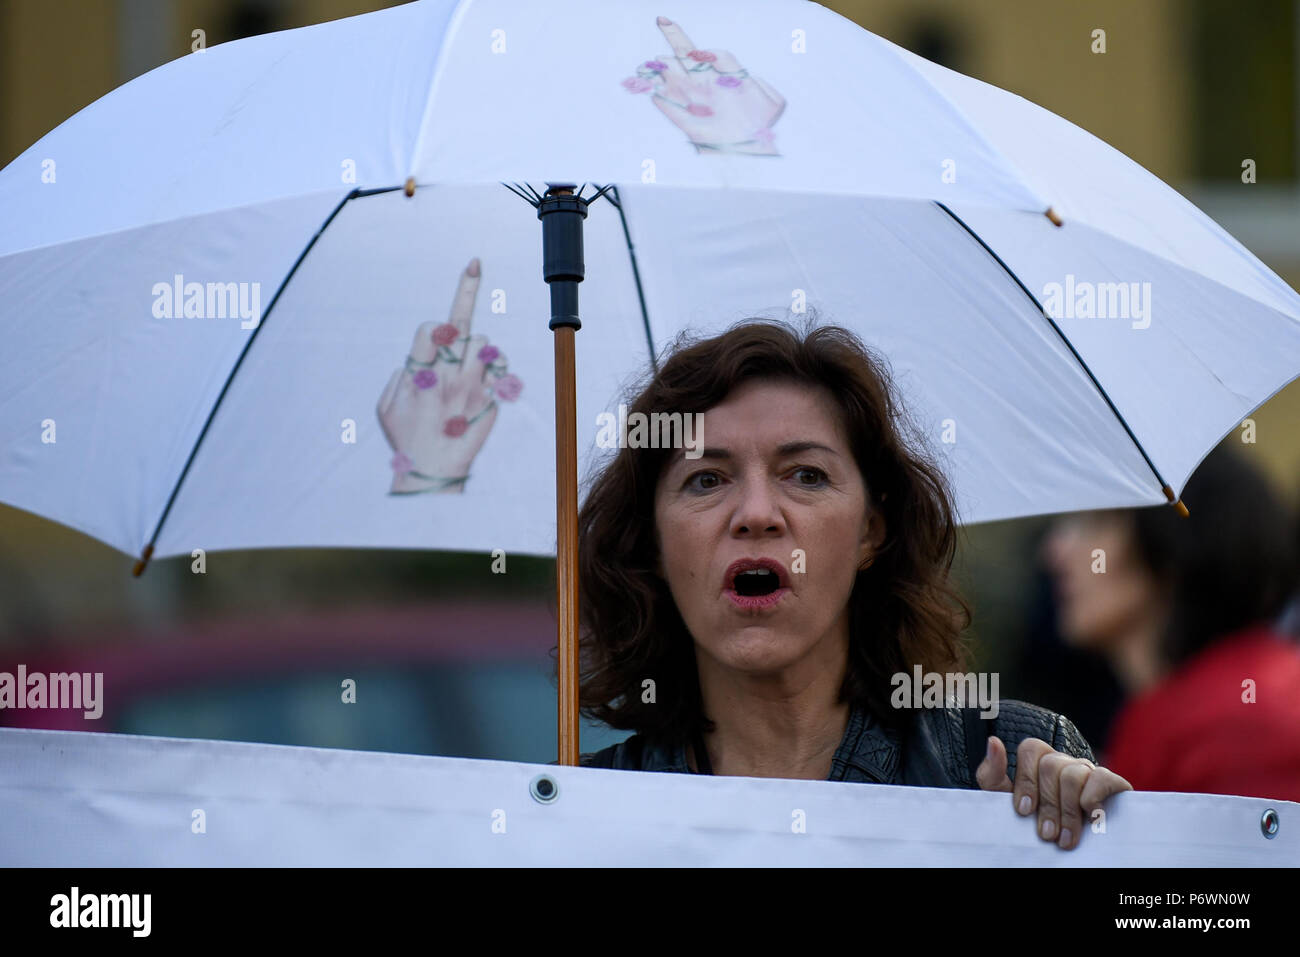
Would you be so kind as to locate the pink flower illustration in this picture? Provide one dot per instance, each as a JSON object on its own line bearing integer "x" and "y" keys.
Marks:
{"x": 699, "y": 109}
{"x": 401, "y": 463}
{"x": 508, "y": 387}
{"x": 659, "y": 66}
{"x": 445, "y": 334}
{"x": 731, "y": 81}
{"x": 702, "y": 56}
{"x": 637, "y": 84}
{"x": 425, "y": 379}
{"x": 488, "y": 354}
{"x": 456, "y": 426}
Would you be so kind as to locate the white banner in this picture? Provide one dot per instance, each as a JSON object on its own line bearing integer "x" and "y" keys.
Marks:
{"x": 76, "y": 799}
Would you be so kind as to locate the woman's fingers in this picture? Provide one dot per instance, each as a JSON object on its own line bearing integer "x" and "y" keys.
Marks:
{"x": 674, "y": 80}
{"x": 384, "y": 410}
{"x": 681, "y": 66}
{"x": 1101, "y": 784}
{"x": 1064, "y": 790}
{"x": 726, "y": 63}
{"x": 1073, "y": 778}
{"x": 462, "y": 305}
{"x": 1048, "y": 775}
{"x": 778, "y": 101}
{"x": 1026, "y": 792}
{"x": 991, "y": 775}
{"x": 390, "y": 390}
{"x": 677, "y": 39}
{"x": 423, "y": 348}
{"x": 473, "y": 364}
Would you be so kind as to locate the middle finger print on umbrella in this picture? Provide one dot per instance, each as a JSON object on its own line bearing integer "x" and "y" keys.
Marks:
{"x": 436, "y": 413}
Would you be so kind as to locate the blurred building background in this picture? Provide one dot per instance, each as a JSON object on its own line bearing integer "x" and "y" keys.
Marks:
{"x": 255, "y": 648}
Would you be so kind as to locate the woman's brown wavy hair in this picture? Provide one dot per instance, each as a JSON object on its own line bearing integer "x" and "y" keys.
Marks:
{"x": 904, "y": 611}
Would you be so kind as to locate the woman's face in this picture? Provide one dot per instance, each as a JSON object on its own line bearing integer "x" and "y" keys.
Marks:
{"x": 777, "y": 482}
{"x": 1096, "y": 608}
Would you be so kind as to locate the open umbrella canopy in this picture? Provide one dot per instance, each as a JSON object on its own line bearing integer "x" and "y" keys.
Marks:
{"x": 271, "y": 293}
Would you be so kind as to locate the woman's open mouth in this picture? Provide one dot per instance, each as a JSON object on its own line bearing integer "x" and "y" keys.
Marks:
{"x": 756, "y": 601}
{"x": 756, "y": 587}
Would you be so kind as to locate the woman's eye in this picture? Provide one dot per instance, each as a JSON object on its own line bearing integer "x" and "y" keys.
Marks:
{"x": 818, "y": 476}
{"x": 696, "y": 480}
{"x": 806, "y": 477}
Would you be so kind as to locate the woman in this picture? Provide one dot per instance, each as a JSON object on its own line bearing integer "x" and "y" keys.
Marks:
{"x": 748, "y": 605}
{"x": 1184, "y": 610}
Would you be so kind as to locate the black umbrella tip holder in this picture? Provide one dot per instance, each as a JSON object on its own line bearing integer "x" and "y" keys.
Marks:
{"x": 562, "y": 214}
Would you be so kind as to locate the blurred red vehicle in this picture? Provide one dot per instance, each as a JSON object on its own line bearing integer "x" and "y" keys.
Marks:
{"x": 466, "y": 679}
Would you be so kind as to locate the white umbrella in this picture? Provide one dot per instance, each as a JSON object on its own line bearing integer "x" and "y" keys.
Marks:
{"x": 209, "y": 277}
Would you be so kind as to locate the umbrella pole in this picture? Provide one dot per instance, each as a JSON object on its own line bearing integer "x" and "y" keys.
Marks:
{"x": 566, "y": 525}
{"x": 562, "y": 214}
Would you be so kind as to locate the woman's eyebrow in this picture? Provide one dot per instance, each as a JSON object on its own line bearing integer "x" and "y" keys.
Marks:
{"x": 794, "y": 448}
{"x": 789, "y": 448}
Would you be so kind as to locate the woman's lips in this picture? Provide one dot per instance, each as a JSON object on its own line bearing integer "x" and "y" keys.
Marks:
{"x": 756, "y": 602}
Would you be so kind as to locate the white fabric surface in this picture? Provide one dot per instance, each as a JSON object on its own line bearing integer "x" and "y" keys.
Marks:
{"x": 78, "y": 799}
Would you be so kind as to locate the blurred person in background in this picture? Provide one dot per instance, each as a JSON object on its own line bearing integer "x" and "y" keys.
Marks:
{"x": 1187, "y": 612}
{"x": 1289, "y": 621}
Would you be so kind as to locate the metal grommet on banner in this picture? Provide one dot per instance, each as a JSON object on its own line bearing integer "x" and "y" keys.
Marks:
{"x": 1269, "y": 823}
{"x": 544, "y": 789}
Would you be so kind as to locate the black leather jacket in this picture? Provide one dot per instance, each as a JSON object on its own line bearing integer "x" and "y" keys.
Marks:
{"x": 941, "y": 748}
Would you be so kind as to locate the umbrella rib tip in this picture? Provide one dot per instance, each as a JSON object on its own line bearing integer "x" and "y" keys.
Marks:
{"x": 142, "y": 561}
{"x": 1179, "y": 507}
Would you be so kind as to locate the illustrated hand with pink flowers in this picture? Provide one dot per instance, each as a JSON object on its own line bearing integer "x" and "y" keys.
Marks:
{"x": 438, "y": 410}
{"x": 710, "y": 96}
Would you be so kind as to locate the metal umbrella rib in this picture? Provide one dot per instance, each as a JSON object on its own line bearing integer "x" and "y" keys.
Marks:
{"x": 1164, "y": 486}
{"x": 147, "y": 552}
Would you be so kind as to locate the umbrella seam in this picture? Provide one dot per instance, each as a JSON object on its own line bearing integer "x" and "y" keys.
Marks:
{"x": 1018, "y": 174}
{"x": 452, "y": 28}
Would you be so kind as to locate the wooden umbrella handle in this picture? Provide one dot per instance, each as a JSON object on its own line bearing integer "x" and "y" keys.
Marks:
{"x": 566, "y": 556}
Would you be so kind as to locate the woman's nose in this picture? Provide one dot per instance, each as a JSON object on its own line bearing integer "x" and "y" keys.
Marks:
{"x": 758, "y": 510}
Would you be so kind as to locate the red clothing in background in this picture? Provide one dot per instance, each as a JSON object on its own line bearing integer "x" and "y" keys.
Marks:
{"x": 1193, "y": 731}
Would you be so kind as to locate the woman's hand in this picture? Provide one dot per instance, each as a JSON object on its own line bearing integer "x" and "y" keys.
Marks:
{"x": 1064, "y": 790}
{"x": 438, "y": 410}
{"x": 715, "y": 101}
